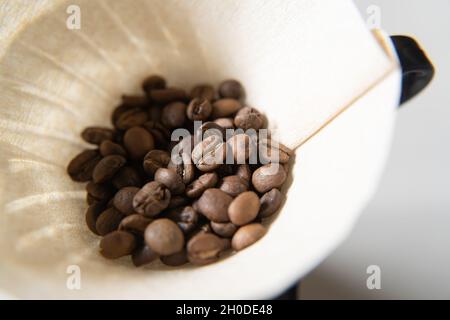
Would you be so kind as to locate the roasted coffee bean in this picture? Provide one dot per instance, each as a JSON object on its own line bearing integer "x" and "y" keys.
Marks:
{"x": 82, "y": 166}
{"x": 117, "y": 244}
{"x": 185, "y": 217}
{"x": 155, "y": 160}
{"x": 233, "y": 185}
{"x": 224, "y": 230}
{"x": 90, "y": 199}
{"x": 231, "y": 89}
{"x": 176, "y": 259}
{"x": 131, "y": 117}
{"x": 108, "y": 148}
{"x": 224, "y": 108}
{"x": 243, "y": 171}
{"x": 151, "y": 199}
{"x": 203, "y": 91}
{"x": 269, "y": 176}
{"x": 244, "y": 208}
{"x": 272, "y": 151}
{"x": 107, "y": 168}
{"x": 160, "y": 134}
{"x": 199, "y": 109}
{"x": 241, "y": 146}
{"x": 123, "y": 200}
{"x": 127, "y": 177}
{"x": 108, "y": 221}
{"x": 205, "y": 181}
{"x": 270, "y": 202}
{"x": 213, "y": 204}
{"x": 249, "y": 118}
{"x": 164, "y": 237}
{"x": 174, "y": 115}
{"x": 208, "y": 129}
{"x": 135, "y": 223}
{"x": 143, "y": 255}
{"x": 226, "y": 123}
{"x": 99, "y": 191}
{"x": 97, "y": 135}
{"x": 209, "y": 154}
{"x": 138, "y": 142}
{"x": 153, "y": 82}
{"x": 135, "y": 101}
{"x": 168, "y": 95}
{"x": 178, "y": 201}
{"x": 206, "y": 248}
{"x": 171, "y": 179}
{"x": 92, "y": 214}
{"x": 247, "y": 235}
{"x": 186, "y": 169}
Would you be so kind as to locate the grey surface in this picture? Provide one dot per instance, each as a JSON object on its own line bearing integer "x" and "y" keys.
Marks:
{"x": 405, "y": 230}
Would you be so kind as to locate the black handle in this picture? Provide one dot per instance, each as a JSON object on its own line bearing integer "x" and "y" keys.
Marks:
{"x": 417, "y": 69}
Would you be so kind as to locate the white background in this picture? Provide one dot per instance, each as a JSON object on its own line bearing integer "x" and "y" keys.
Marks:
{"x": 406, "y": 228}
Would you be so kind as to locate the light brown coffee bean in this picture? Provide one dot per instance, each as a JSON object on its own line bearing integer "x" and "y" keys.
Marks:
{"x": 108, "y": 221}
{"x": 233, "y": 185}
{"x": 97, "y": 135}
{"x": 151, "y": 199}
{"x": 127, "y": 177}
{"x": 176, "y": 259}
{"x": 171, "y": 179}
{"x": 135, "y": 224}
{"x": 249, "y": 118}
{"x": 81, "y": 167}
{"x": 199, "y": 109}
{"x": 224, "y": 230}
{"x": 247, "y": 235}
{"x": 164, "y": 237}
{"x": 231, "y": 89}
{"x": 268, "y": 177}
{"x": 117, "y": 244}
{"x": 205, "y": 181}
{"x": 244, "y": 208}
{"x": 203, "y": 91}
{"x": 154, "y": 160}
{"x": 272, "y": 151}
{"x": 206, "y": 248}
{"x": 123, "y": 200}
{"x": 108, "y": 148}
{"x": 270, "y": 202}
{"x": 143, "y": 255}
{"x": 226, "y": 123}
{"x": 174, "y": 115}
{"x": 186, "y": 169}
{"x": 107, "y": 168}
{"x": 168, "y": 95}
{"x": 213, "y": 204}
{"x": 138, "y": 142}
{"x": 224, "y": 108}
{"x": 241, "y": 146}
{"x": 209, "y": 154}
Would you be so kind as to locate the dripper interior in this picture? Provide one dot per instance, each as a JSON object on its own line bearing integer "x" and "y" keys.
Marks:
{"x": 56, "y": 81}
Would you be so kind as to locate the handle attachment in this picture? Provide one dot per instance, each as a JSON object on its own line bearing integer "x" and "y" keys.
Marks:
{"x": 417, "y": 69}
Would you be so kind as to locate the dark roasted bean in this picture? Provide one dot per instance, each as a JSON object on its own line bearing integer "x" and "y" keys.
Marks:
{"x": 174, "y": 115}
{"x": 185, "y": 217}
{"x": 247, "y": 235}
{"x": 127, "y": 177}
{"x": 249, "y": 118}
{"x": 160, "y": 134}
{"x": 135, "y": 223}
{"x": 99, "y": 191}
{"x": 224, "y": 108}
{"x": 155, "y": 160}
{"x": 171, "y": 179}
{"x": 168, "y": 95}
{"x": 213, "y": 204}
{"x": 97, "y": 135}
{"x": 209, "y": 154}
{"x": 117, "y": 244}
{"x": 151, "y": 199}
{"x": 107, "y": 168}
{"x": 131, "y": 118}
{"x": 108, "y": 221}
{"x": 138, "y": 142}
{"x": 270, "y": 202}
{"x": 203, "y": 91}
{"x": 108, "y": 148}
{"x": 205, "y": 181}
{"x": 143, "y": 255}
{"x": 92, "y": 214}
{"x": 153, "y": 82}
{"x": 224, "y": 230}
{"x": 199, "y": 109}
{"x": 82, "y": 166}
{"x": 231, "y": 89}
{"x": 176, "y": 259}
{"x": 123, "y": 200}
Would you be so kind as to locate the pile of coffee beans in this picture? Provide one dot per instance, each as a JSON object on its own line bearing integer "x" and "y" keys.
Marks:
{"x": 180, "y": 176}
